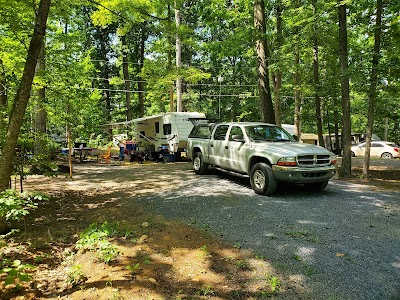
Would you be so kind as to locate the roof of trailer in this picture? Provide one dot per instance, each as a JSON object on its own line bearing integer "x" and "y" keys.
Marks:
{"x": 194, "y": 114}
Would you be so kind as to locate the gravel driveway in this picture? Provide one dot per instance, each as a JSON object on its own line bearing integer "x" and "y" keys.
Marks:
{"x": 342, "y": 243}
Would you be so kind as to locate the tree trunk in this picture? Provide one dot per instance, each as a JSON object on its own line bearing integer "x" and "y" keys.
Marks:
{"x": 127, "y": 83}
{"x": 178, "y": 60}
{"x": 170, "y": 41}
{"x": 106, "y": 75}
{"x": 316, "y": 79}
{"x": 3, "y": 100}
{"x": 22, "y": 95}
{"x": 40, "y": 113}
{"x": 372, "y": 87}
{"x": 141, "y": 85}
{"x": 345, "y": 91}
{"x": 267, "y": 109}
{"x": 278, "y": 76}
{"x": 297, "y": 104}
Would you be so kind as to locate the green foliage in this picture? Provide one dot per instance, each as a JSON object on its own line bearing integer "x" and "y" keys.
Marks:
{"x": 133, "y": 268}
{"x": 75, "y": 275}
{"x": 15, "y": 206}
{"x": 96, "y": 238}
{"x": 16, "y": 273}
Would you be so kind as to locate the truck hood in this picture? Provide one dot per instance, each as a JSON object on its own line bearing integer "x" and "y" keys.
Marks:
{"x": 290, "y": 148}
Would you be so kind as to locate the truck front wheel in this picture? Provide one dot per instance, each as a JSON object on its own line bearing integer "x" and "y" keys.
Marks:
{"x": 262, "y": 179}
{"x": 199, "y": 166}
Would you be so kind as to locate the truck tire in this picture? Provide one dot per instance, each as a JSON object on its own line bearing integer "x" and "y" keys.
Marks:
{"x": 316, "y": 186}
{"x": 199, "y": 166}
{"x": 262, "y": 179}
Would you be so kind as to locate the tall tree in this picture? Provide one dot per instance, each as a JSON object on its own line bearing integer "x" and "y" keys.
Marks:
{"x": 3, "y": 100}
{"x": 345, "y": 89}
{"x": 141, "y": 56}
{"x": 296, "y": 79}
{"x": 23, "y": 94}
{"x": 127, "y": 83}
{"x": 277, "y": 78}
{"x": 40, "y": 111}
{"x": 267, "y": 109}
{"x": 372, "y": 88}
{"x": 178, "y": 59}
{"x": 316, "y": 75}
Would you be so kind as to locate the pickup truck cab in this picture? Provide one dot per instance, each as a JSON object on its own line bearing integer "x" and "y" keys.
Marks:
{"x": 266, "y": 152}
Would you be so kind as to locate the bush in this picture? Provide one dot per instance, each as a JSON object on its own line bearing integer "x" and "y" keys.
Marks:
{"x": 15, "y": 206}
{"x": 95, "y": 238}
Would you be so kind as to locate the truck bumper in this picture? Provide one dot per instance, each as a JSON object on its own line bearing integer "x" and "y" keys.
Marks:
{"x": 303, "y": 175}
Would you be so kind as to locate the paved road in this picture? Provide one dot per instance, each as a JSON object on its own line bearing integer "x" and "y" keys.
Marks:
{"x": 342, "y": 243}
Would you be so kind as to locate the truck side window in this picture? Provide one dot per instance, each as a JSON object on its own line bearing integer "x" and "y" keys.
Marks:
{"x": 167, "y": 129}
{"x": 157, "y": 124}
{"x": 235, "y": 130}
{"x": 220, "y": 132}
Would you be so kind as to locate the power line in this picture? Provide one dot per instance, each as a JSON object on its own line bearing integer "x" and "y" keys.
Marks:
{"x": 159, "y": 93}
{"x": 99, "y": 78}
{"x": 186, "y": 84}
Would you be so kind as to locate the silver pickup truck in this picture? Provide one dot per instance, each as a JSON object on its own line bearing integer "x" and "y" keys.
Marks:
{"x": 266, "y": 152}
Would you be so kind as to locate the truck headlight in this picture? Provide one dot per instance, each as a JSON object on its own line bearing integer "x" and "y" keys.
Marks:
{"x": 333, "y": 159}
{"x": 287, "y": 162}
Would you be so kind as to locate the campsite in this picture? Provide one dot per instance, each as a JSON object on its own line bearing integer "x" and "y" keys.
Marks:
{"x": 100, "y": 189}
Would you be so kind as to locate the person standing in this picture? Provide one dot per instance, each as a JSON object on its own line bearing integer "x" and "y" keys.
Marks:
{"x": 121, "y": 150}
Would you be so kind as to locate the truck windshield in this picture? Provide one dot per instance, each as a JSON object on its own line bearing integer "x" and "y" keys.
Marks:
{"x": 262, "y": 133}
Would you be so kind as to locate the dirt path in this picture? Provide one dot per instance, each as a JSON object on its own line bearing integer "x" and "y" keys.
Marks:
{"x": 151, "y": 257}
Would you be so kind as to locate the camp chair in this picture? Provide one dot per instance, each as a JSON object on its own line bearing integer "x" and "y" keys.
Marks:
{"x": 107, "y": 155}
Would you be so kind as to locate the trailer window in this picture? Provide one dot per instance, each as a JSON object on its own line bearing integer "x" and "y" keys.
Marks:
{"x": 167, "y": 129}
{"x": 157, "y": 124}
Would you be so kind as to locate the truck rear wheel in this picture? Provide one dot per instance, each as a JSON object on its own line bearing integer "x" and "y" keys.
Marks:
{"x": 199, "y": 166}
{"x": 262, "y": 179}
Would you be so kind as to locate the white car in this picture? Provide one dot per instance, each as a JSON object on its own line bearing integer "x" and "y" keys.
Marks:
{"x": 381, "y": 149}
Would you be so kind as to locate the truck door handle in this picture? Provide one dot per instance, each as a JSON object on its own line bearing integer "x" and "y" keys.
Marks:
{"x": 226, "y": 147}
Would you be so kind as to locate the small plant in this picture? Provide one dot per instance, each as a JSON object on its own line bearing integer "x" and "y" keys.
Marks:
{"x": 206, "y": 290}
{"x": 274, "y": 283}
{"x": 76, "y": 275}
{"x": 242, "y": 264}
{"x": 133, "y": 268}
{"x": 15, "y": 206}
{"x": 109, "y": 283}
{"x": 16, "y": 273}
{"x": 298, "y": 257}
{"x": 95, "y": 238}
{"x": 204, "y": 250}
{"x": 237, "y": 245}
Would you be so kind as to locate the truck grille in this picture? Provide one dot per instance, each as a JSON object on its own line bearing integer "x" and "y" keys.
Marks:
{"x": 313, "y": 160}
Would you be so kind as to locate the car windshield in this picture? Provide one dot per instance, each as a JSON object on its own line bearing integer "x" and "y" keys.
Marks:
{"x": 261, "y": 133}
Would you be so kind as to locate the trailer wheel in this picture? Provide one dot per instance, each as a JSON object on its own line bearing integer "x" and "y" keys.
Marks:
{"x": 199, "y": 166}
{"x": 262, "y": 179}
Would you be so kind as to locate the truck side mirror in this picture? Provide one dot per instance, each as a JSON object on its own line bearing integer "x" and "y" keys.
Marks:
{"x": 238, "y": 138}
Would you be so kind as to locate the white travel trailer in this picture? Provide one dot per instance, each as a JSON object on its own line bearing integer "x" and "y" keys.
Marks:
{"x": 167, "y": 131}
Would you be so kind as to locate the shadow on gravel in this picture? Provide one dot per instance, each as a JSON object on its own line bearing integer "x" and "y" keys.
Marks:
{"x": 283, "y": 189}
